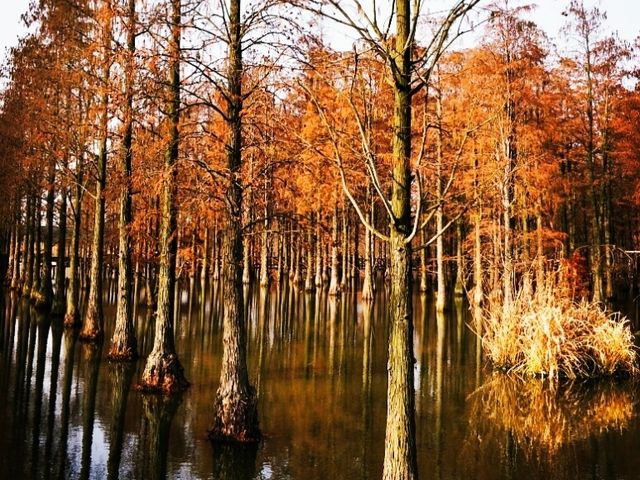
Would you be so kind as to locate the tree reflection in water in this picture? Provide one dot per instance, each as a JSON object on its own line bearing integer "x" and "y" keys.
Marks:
{"x": 158, "y": 412}
{"x": 320, "y": 365}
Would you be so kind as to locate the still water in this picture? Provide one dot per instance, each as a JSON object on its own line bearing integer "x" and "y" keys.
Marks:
{"x": 319, "y": 367}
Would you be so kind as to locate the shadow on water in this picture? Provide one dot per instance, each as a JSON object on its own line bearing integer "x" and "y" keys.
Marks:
{"x": 319, "y": 365}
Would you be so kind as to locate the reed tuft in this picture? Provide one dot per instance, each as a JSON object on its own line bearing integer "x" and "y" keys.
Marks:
{"x": 544, "y": 334}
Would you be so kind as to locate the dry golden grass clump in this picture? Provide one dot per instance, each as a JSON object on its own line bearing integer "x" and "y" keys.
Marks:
{"x": 540, "y": 334}
{"x": 545, "y": 416}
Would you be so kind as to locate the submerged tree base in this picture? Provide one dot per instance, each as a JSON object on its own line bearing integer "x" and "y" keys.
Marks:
{"x": 163, "y": 374}
{"x": 91, "y": 335}
{"x": 236, "y": 418}
{"x": 72, "y": 320}
{"x": 40, "y": 300}
{"x": 123, "y": 351}
{"x": 92, "y": 331}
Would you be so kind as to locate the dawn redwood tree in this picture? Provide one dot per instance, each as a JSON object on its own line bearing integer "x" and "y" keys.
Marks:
{"x": 163, "y": 372}
{"x": 123, "y": 343}
{"x": 93, "y": 324}
{"x": 235, "y": 405}
{"x": 408, "y": 72}
{"x": 595, "y": 71}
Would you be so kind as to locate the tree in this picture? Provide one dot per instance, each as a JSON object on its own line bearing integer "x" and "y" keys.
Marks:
{"x": 123, "y": 344}
{"x": 235, "y": 405}
{"x": 163, "y": 371}
{"x": 408, "y": 72}
{"x": 92, "y": 326}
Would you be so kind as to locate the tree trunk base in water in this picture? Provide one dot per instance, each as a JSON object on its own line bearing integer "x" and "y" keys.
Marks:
{"x": 163, "y": 374}
{"x": 123, "y": 350}
{"x": 91, "y": 335}
{"x": 92, "y": 331}
{"x": 367, "y": 290}
{"x": 40, "y": 300}
{"x": 236, "y": 418}
{"x": 72, "y": 320}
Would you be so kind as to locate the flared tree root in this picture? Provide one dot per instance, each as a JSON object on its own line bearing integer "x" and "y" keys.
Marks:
{"x": 92, "y": 331}
{"x": 123, "y": 350}
{"x": 236, "y": 418}
{"x": 163, "y": 374}
{"x": 72, "y": 320}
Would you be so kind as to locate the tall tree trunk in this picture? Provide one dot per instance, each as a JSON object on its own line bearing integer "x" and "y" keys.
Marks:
{"x": 235, "y": 405}
{"x": 246, "y": 256}
{"x": 123, "y": 342}
{"x": 309, "y": 285}
{"x": 367, "y": 283}
{"x": 13, "y": 234}
{"x": 344, "y": 279}
{"x": 318, "y": 267}
{"x": 539, "y": 250}
{"x": 424, "y": 265}
{"x": 36, "y": 271}
{"x": 163, "y": 372}
{"x": 478, "y": 272}
{"x": 72, "y": 315}
{"x": 27, "y": 271}
{"x": 441, "y": 293}
{"x": 596, "y": 225}
{"x": 264, "y": 251}
{"x": 92, "y": 327}
{"x": 46, "y": 297}
{"x": 334, "y": 282}
{"x": 607, "y": 170}
{"x": 59, "y": 300}
{"x": 204, "y": 271}
{"x": 400, "y": 460}
{"x": 459, "y": 288}
{"x": 18, "y": 256}
{"x": 264, "y": 256}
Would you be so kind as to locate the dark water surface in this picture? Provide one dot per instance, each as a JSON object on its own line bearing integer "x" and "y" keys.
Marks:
{"x": 319, "y": 367}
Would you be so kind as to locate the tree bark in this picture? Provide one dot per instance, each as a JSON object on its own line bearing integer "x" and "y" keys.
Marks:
{"x": 46, "y": 297}
{"x": 72, "y": 315}
{"x": 123, "y": 342}
{"x": 18, "y": 256}
{"x": 367, "y": 283}
{"x": 400, "y": 460}
{"x": 163, "y": 372}
{"x": 235, "y": 405}
{"x": 59, "y": 300}
{"x": 92, "y": 327}
{"x": 441, "y": 294}
{"x": 334, "y": 282}
{"x": 36, "y": 270}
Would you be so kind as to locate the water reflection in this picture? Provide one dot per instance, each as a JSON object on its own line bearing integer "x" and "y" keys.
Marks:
{"x": 159, "y": 412}
{"x": 121, "y": 374}
{"x": 90, "y": 354}
{"x": 544, "y": 418}
{"x": 234, "y": 462}
{"x": 319, "y": 364}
